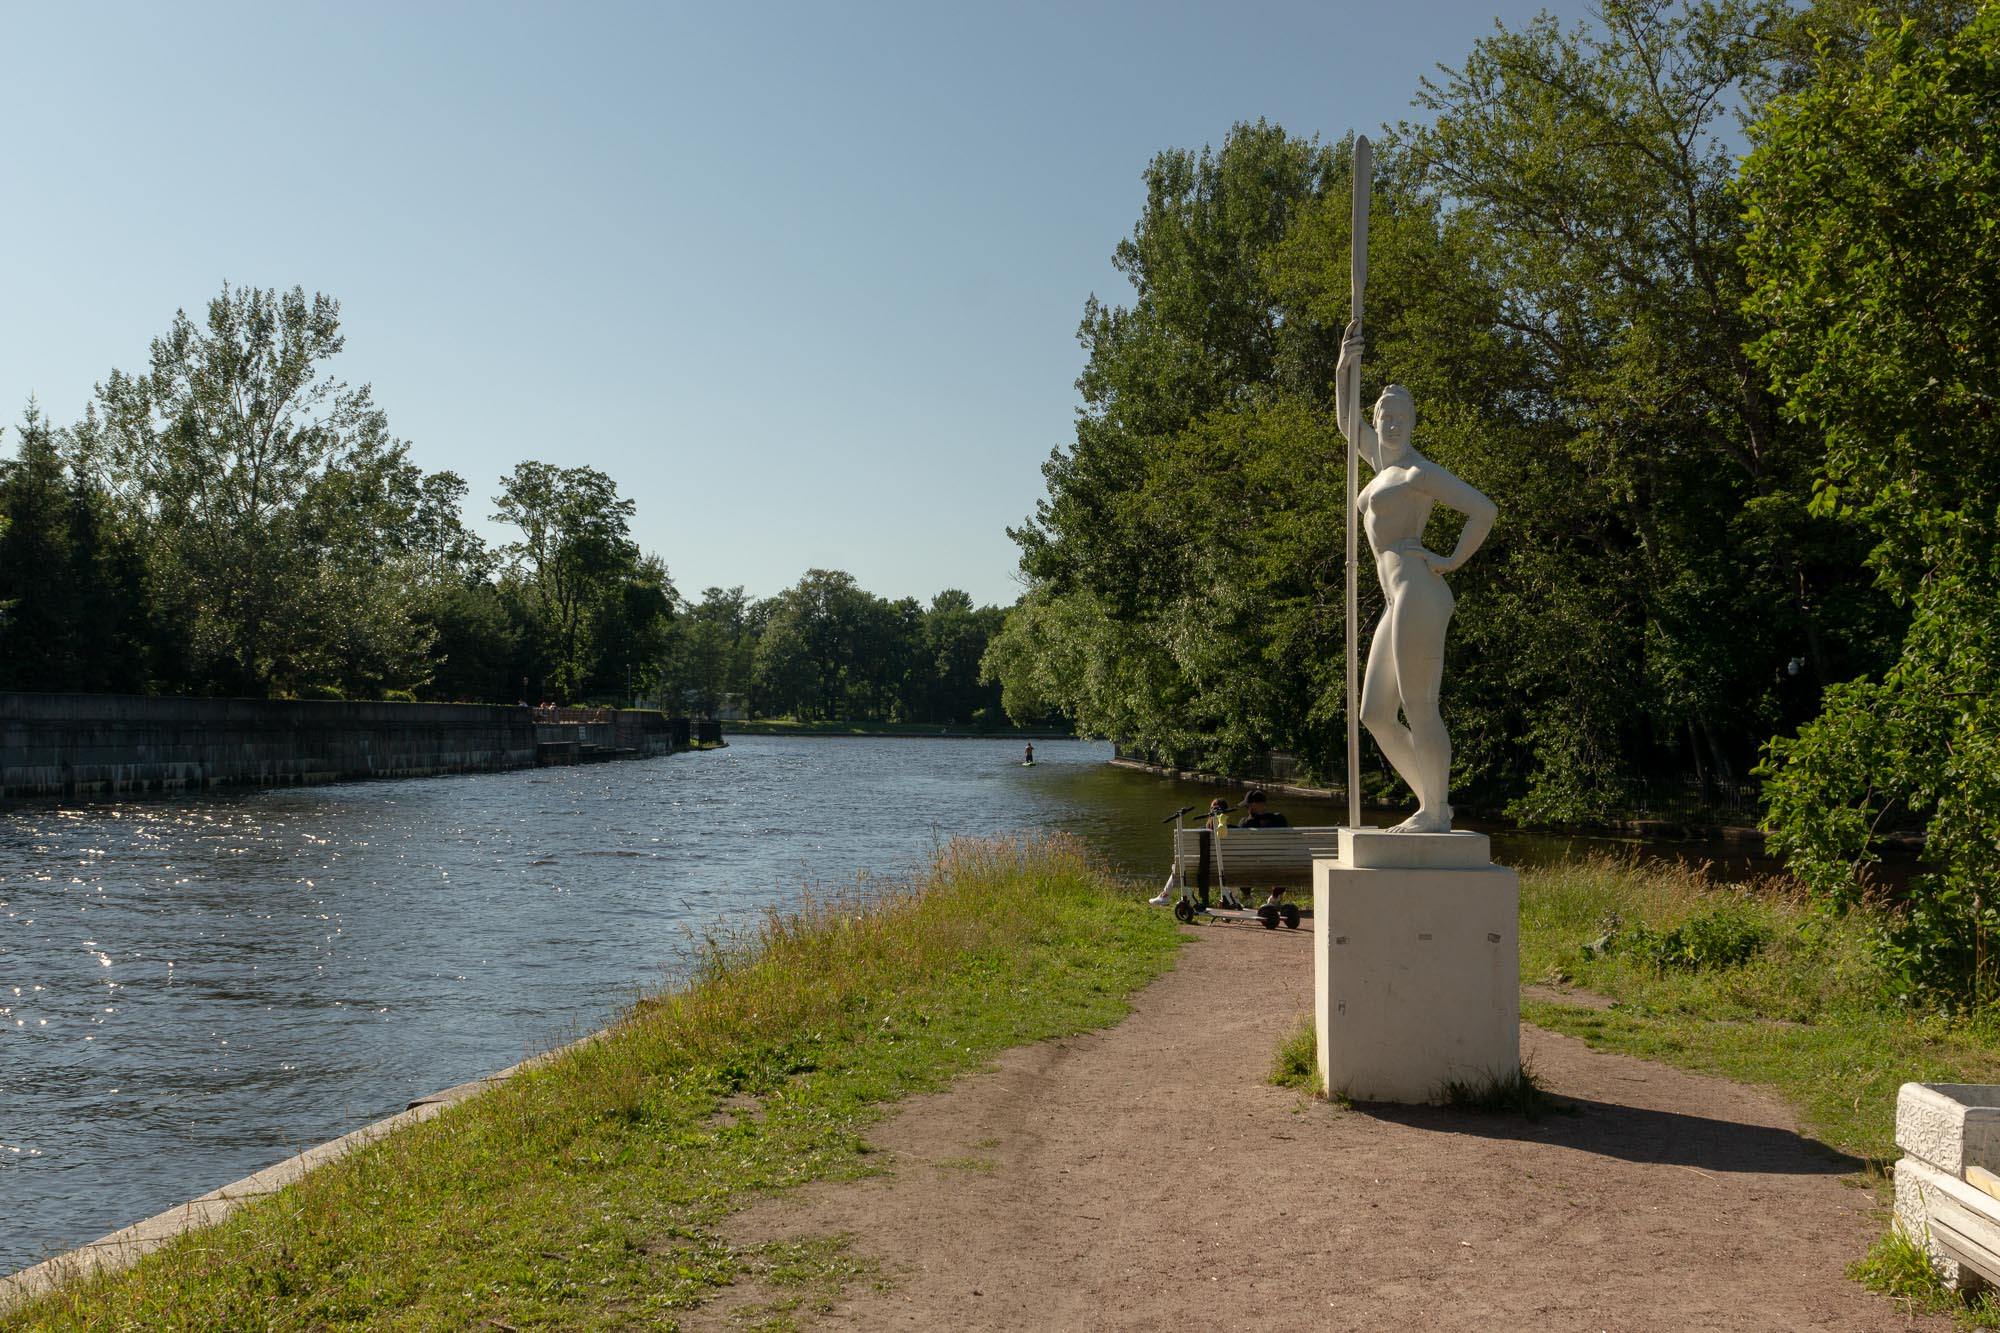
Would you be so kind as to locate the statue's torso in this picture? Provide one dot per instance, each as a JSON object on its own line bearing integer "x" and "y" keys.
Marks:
{"x": 1393, "y": 509}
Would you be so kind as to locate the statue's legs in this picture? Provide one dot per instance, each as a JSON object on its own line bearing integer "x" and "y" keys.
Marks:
{"x": 1405, "y": 672}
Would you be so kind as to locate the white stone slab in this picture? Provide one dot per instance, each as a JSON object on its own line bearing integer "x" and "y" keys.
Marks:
{"x": 1950, "y": 1124}
{"x": 1944, "y": 1128}
{"x": 1379, "y": 849}
{"x": 1417, "y": 974}
{"x": 1958, "y": 1224}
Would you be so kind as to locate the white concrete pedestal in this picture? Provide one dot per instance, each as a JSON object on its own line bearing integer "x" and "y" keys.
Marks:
{"x": 1416, "y": 960}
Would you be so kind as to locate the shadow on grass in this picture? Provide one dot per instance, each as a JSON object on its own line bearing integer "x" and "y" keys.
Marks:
{"x": 1633, "y": 1134}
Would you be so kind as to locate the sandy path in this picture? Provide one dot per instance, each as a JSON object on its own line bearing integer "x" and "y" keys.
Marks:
{"x": 1148, "y": 1178}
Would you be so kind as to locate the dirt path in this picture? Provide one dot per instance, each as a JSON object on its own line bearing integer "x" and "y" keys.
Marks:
{"x": 1148, "y": 1177}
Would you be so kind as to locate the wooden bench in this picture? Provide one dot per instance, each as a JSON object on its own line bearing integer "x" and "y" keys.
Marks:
{"x": 1255, "y": 858}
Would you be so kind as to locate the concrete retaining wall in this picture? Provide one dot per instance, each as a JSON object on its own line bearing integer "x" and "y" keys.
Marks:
{"x": 82, "y": 745}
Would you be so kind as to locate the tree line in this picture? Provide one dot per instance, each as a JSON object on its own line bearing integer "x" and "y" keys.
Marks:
{"x": 236, "y": 520}
{"x": 1738, "y": 415}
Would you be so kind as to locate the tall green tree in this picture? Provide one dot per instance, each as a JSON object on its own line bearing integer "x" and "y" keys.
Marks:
{"x": 810, "y": 653}
{"x": 74, "y": 608}
{"x": 1874, "y": 257}
{"x": 631, "y": 632}
{"x": 231, "y": 454}
{"x": 945, "y": 678}
{"x": 710, "y": 658}
{"x": 1203, "y": 419}
{"x": 574, "y": 555}
{"x": 1590, "y": 170}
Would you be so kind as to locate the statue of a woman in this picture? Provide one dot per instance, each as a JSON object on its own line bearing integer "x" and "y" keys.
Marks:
{"x": 1406, "y": 659}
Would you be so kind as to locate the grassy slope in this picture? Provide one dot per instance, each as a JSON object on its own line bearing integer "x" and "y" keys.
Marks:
{"x": 586, "y": 1195}
{"x": 1805, "y": 1017}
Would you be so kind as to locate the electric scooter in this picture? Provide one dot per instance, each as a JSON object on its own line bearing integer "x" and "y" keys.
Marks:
{"x": 1192, "y": 902}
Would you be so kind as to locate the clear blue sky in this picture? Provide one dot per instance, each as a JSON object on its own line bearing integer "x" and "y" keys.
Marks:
{"x": 803, "y": 278}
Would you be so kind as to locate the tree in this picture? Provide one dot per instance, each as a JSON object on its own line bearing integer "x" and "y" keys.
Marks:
{"x": 709, "y": 654}
{"x": 226, "y": 453}
{"x": 1874, "y": 257}
{"x": 828, "y": 649}
{"x": 476, "y": 644}
{"x": 1589, "y": 172}
{"x": 36, "y": 649}
{"x": 630, "y": 632}
{"x": 574, "y": 552}
{"x": 945, "y": 681}
{"x": 74, "y": 612}
{"x": 1202, "y": 420}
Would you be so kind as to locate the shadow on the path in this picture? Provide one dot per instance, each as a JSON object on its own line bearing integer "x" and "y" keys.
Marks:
{"x": 1634, "y": 1134}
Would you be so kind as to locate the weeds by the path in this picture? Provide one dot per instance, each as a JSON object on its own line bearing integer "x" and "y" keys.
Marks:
{"x": 586, "y": 1194}
{"x": 1897, "y": 1266}
{"x": 1297, "y": 1062}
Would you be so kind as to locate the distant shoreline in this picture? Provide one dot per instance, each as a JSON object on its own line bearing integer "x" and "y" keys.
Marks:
{"x": 887, "y": 730}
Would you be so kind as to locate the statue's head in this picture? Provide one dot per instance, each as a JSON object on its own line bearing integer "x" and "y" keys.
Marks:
{"x": 1395, "y": 418}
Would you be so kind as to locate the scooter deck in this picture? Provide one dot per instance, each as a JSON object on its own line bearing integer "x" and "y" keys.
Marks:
{"x": 1286, "y": 914}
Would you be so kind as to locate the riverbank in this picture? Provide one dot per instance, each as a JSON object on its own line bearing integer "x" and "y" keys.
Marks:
{"x": 585, "y": 1192}
{"x": 766, "y": 726}
{"x": 599, "y": 1189}
{"x": 1666, "y": 829}
{"x": 103, "y": 746}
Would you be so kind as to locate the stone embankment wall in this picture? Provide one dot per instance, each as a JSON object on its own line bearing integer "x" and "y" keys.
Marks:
{"x": 75, "y": 745}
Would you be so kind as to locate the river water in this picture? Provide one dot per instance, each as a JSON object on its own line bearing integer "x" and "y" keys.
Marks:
{"x": 191, "y": 989}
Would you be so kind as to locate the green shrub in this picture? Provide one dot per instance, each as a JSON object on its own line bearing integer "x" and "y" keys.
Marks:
{"x": 330, "y": 692}
{"x": 398, "y": 697}
{"x": 1723, "y": 937}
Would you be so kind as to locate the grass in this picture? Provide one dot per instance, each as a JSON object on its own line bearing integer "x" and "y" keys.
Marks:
{"x": 1898, "y": 1268}
{"x": 1751, "y": 984}
{"x": 589, "y": 1193}
{"x": 1802, "y": 1012}
{"x": 1519, "y": 1093}
{"x": 1297, "y": 1064}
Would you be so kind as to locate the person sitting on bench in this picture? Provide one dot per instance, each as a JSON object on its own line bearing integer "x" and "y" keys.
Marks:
{"x": 1257, "y": 815}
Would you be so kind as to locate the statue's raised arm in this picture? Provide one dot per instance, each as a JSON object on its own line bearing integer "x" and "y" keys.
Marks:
{"x": 1347, "y": 397}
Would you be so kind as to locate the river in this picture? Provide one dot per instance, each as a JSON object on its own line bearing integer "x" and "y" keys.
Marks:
{"x": 191, "y": 989}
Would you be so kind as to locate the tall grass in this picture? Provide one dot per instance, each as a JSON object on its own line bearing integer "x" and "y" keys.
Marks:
{"x": 587, "y": 1193}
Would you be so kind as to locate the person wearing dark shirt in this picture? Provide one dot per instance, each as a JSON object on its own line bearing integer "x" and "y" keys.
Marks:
{"x": 1256, "y": 815}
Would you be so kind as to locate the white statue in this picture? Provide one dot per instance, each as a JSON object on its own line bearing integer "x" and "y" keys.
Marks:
{"x": 1406, "y": 659}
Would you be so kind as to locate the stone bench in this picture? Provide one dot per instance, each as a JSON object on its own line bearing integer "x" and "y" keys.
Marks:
{"x": 1944, "y": 1129}
{"x": 1259, "y": 858}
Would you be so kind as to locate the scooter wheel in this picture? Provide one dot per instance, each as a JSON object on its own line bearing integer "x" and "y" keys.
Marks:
{"x": 1290, "y": 912}
{"x": 1268, "y": 914}
{"x": 1183, "y": 913}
